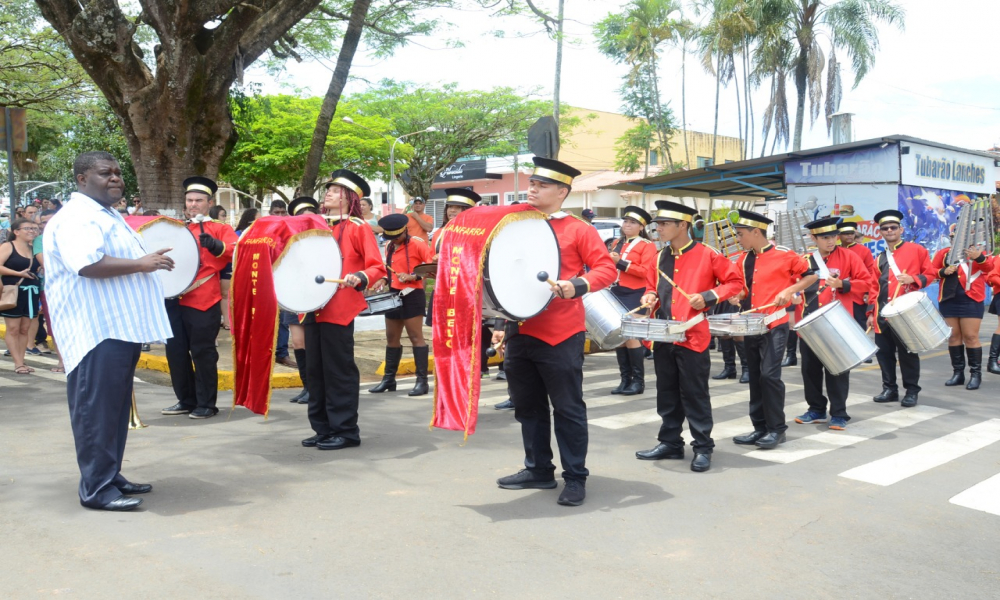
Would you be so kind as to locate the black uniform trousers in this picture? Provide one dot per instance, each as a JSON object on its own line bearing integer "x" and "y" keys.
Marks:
{"x": 100, "y": 397}
{"x": 837, "y": 386}
{"x": 682, "y": 391}
{"x": 767, "y": 390}
{"x": 536, "y": 374}
{"x": 195, "y": 332}
{"x": 861, "y": 315}
{"x": 909, "y": 362}
{"x": 333, "y": 380}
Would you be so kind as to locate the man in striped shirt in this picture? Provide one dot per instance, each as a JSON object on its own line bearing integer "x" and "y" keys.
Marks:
{"x": 106, "y": 301}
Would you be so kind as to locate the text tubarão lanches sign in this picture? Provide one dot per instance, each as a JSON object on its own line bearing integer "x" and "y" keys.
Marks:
{"x": 874, "y": 165}
{"x": 931, "y": 167}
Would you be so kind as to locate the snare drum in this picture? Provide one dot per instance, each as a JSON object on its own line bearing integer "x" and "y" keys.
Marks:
{"x": 513, "y": 259}
{"x": 735, "y": 324}
{"x": 379, "y": 304}
{"x": 295, "y": 271}
{"x": 916, "y": 322}
{"x": 654, "y": 330}
{"x": 164, "y": 232}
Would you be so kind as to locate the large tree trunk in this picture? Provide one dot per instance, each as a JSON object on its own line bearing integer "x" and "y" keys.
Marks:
{"x": 557, "y": 85}
{"x": 684, "y": 116}
{"x": 801, "y": 73}
{"x": 176, "y": 121}
{"x": 348, "y": 48}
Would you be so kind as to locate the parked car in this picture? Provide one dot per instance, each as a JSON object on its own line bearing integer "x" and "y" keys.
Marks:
{"x": 609, "y": 229}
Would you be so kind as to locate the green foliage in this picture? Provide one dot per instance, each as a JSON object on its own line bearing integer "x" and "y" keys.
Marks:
{"x": 632, "y": 148}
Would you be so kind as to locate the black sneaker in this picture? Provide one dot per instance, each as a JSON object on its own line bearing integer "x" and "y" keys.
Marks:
{"x": 573, "y": 494}
{"x": 507, "y": 404}
{"x": 526, "y": 480}
{"x": 177, "y": 409}
{"x": 203, "y": 413}
{"x": 501, "y": 376}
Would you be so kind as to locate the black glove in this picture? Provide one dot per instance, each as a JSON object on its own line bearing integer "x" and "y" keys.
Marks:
{"x": 211, "y": 244}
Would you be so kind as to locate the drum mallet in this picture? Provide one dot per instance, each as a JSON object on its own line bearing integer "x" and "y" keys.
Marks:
{"x": 676, "y": 287}
{"x": 543, "y": 276}
{"x": 200, "y": 220}
{"x": 321, "y": 279}
{"x": 492, "y": 350}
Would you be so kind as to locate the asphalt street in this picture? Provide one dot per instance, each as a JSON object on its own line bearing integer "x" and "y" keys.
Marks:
{"x": 904, "y": 504}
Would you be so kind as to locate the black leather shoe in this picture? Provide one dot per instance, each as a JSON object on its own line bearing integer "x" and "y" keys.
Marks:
{"x": 135, "y": 488}
{"x": 887, "y": 395}
{"x": 701, "y": 462}
{"x": 728, "y": 372}
{"x": 335, "y": 442}
{"x": 507, "y": 404}
{"x": 771, "y": 441}
{"x": 790, "y": 361}
{"x": 177, "y": 409}
{"x": 868, "y": 361}
{"x": 304, "y": 399}
{"x": 909, "y": 400}
{"x": 203, "y": 413}
{"x": 745, "y": 376}
{"x": 296, "y": 397}
{"x": 573, "y": 494}
{"x": 526, "y": 480}
{"x": 120, "y": 504}
{"x": 659, "y": 452}
{"x": 310, "y": 442}
{"x": 749, "y": 438}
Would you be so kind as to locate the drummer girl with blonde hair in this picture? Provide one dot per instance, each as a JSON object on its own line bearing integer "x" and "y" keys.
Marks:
{"x": 333, "y": 378}
{"x": 634, "y": 254}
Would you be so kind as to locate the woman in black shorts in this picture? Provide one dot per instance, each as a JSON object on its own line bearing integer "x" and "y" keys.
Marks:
{"x": 19, "y": 268}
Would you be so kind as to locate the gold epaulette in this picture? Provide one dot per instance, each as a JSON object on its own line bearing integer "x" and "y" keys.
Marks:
{"x": 581, "y": 219}
{"x": 357, "y": 221}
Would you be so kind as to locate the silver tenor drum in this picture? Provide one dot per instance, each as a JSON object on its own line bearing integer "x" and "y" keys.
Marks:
{"x": 295, "y": 271}
{"x": 379, "y": 304}
{"x": 654, "y": 330}
{"x": 604, "y": 318}
{"x": 835, "y": 338}
{"x": 516, "y": 254}
{"x": 916, "y": 322}
{"x": 730, "y": 324}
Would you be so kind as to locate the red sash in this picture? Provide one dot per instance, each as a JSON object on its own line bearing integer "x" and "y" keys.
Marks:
{"x": 457, "y": 329}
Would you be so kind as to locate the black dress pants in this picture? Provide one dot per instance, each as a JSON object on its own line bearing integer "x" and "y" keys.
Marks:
{"x": 767, "y": 390}
{"x": 333, "y": 380}
{"x": 861, "y": 315}
{"x": 909, "y": 363}
{"x": 100, "y": 397}
{"x": 682, "y": 392}
{"x": 195, "y": 332}
{"x": 837, "y": 386}
{"x": 536, "y": 374}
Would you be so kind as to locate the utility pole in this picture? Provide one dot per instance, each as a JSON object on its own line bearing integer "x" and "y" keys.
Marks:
{"x": 9, "y": 127}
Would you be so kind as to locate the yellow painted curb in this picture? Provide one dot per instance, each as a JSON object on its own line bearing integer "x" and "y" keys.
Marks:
{"x": 226, "y": 378}
{"x": 407, "y": 367}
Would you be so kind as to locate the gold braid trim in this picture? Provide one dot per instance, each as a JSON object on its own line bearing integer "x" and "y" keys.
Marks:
{"x": 157, "y": 220}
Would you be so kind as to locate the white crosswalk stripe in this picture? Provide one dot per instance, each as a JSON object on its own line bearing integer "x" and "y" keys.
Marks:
{"x": 8, "y": 382}
{"x": 827, "y": 441}
{"x": 929, "y": 455}
{"x": 42, "y": 372}
{"x": 984, "y": 496}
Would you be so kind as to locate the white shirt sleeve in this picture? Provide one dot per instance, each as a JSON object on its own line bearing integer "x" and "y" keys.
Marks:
{"x": 79, "y": 245}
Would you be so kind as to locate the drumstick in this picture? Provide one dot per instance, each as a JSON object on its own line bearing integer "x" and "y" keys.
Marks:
{"x": 759, "y": 308}
{"x": 638, "y": 308}
{"x": 898, "y": 285}
{"x": 676, "y": 287}
{"x": 321, "y": 279}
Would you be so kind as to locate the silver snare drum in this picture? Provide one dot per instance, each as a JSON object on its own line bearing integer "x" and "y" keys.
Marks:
{"x": 730, "y": 324}
{"x": 379, "y": 304}
{"x": 655, "y": 330}
{"x": 604, "y": 319}
{"x": 916, "y": 322}
{"x": 835, "y": 338}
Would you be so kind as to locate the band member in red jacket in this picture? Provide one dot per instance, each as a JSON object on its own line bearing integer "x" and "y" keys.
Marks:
{"x": 196, "y": 316}
{"x": 843, "y": 277}
{"x": 635, "y": 257}
{"x": 771, "y": 276}
{"x": 682, "y": 368}
{"x": 544, "y": 358}
{"x": 993, "y": 278}
{"x": 848, "y": 241}
{"x": 961, "y": 300}
{"x": 332, "y": 375}
{"x": 906, "y": 266}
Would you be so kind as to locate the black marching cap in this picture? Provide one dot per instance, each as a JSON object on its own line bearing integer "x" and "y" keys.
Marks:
{"x": 393, "y": 225}
{"x": 200, "y": 184}
{"x": 302, "y": 203}
{"x": 547, "y": 169}
{"x": 349, "y": 179}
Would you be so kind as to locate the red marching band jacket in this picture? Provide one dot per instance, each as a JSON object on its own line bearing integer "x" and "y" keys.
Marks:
{"x": 909, "y": 257}
{"x": 993, "y": 277}
{"x": 766, "y": 273}
{"x": 579, "y": 246}
{"x": 403, "y": 259}
{"x": 857, "y": 281}
{"x": 361, "y": 257}
{"x": 209, "y": 291}
{"x": 978, "y": 271}
{"x": 862, "y": 252}
{"x": 697, "y": 269}
{"x": 638, "y": 258}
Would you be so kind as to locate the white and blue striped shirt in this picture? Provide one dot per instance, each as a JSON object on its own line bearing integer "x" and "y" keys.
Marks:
{"x": 86, "y": 311}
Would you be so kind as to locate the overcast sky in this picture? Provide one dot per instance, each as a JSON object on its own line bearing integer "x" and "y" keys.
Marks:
{"x": 938, "y": 80}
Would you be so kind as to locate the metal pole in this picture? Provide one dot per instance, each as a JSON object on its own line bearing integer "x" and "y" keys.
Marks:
{"x": 392, "y": 176}
{"x": 516, "y": 177}
{"x": 10, "y": 158}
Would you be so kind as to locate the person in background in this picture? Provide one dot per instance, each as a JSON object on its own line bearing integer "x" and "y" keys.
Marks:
{"x": 369, "y": 216}
{"x": 19, "y": 212}
{"x": 419, "y": 224}
{"x": 296, "y": 331}
{"x": 56, "y": 204}
{"x": 37, "y": 334}
{"x": 246, "y": 219}
{"x": 279, "y": 208}
{"x": 218, "y": 214}
{"x": 19, "y": 267}
{"x": 31, "y": 212}
{"x": 136, "y": 208}
{"x": 993, "y": 279}
{"x": 588, "y": 215}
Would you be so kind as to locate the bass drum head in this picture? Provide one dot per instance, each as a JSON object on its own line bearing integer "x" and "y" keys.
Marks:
{"x": 168, "y": 233}
{"x": 295, "y": 272}
{"x": 515, "y": 256}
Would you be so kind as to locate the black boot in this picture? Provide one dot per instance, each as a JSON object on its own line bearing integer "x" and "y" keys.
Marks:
{"x": 624, "y": 367}
{"x": 744, "y": 370}
{"x": 392, "y": 358}
{"x": 420, "y": 359}
{"x": 300, "y": 361}
{"x": 638, "y": 383}
{"x": 957, "y": 364}
{"x": 975, "y": 367}
{"x": 790, "y": 347}
{"x": 992, "y": 365}
{"x": 711, "y": 343}
{"x": 728, "y": 350}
